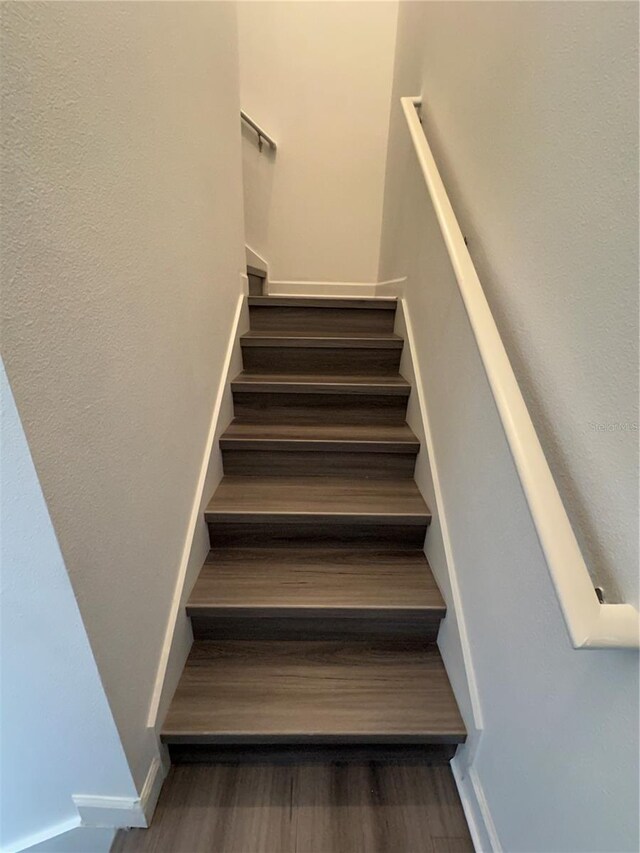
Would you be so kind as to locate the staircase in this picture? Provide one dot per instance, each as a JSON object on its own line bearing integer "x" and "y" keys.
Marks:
{"x": 315, "y": 615}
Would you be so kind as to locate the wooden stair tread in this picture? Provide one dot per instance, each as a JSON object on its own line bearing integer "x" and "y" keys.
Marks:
{"x": 346, "y": 340}
{"x": 241, "y": 435}
{"x": 317, "y": 497}
{"x": 288, "y": 580}
{"x": 376, "y": 303}
{"x": 313, "y": 692}
{"x": 315, "y": 614}
{"x": 321, "y": 383}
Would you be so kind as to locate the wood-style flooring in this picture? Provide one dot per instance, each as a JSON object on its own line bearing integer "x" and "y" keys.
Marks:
{"x": 304, "y": 808}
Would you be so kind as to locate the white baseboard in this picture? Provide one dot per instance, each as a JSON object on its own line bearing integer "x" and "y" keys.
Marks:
{"x": 483, "y": 832}
{"x": 122, "y": 812}
{"x": 255, "y": 260}
{"x": 195, "y": 546}
{"x": 109, "y": 811}
{"x": 392, "y": 287}
{"x": 152, "y": 787}
{"x": 99, "y": 812}
{"x": 474, "y": 697}
{"x": 366, "y": 289}
{"x": 455, "y": 647}
{"x": 321, "y": 288}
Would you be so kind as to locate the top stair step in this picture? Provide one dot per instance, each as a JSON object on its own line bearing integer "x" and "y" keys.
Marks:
{"x": 379, "y": 303}
{"x": 317, "y": 314}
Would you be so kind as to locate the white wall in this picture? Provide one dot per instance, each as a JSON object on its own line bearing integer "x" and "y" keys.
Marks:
{"x": 123, "y": 248}
{"x": 317, "y": 76}
{"x": 57, "y": 733}
{"x": 533, "y": 109}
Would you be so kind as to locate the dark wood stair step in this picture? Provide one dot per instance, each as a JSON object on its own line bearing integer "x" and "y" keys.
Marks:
{"x": 286, "y": 499}
{"x": 322, "y": 314}
{"x": 428, "y": 754}
{"x": 365, "y": 353}
{"x": 380, "y": 451}
{"x": 346, "y": 340}
{"x": 315, "y": 593}
{"x": 313, "y": 692}
{"x": 257, "y": 278}
{"x": 315, "y": 398}
{"x": 311, "y": 358}
{"x": 292, "y": 383}
{"x": 285, "y": 511}
{"x": 351, "y": 438}
{"x": 270, "y": 532}
{"x": 351, "y": 579}
{"x": 375, "y": 303}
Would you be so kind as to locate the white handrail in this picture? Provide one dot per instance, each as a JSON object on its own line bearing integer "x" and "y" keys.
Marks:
{"x": 590, "y": 624}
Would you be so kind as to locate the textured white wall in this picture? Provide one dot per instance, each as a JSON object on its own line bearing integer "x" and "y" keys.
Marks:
{"x": 533, "y": 109}
{"x": 123, "y": 247}
{"x": 317, "y": 76}
{"x": 57, "y": 735}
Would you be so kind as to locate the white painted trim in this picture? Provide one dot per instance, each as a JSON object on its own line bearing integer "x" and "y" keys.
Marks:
{"x": 476, "y": 810}
{"x": 109, "y": 812}
{"x": 321, "y": 288}
{"x": 122, "y": 812}
{"x": 474, "y": 693}
{"x": 589, "y": 623}
{"x": 392, "y": 287}
{"x": 154, "y": 707}
{"x": 52, "y": 831}
{"x": 253, "y": 259}
{"x": 105, "y": 812}
{"x": 152, "y": 787}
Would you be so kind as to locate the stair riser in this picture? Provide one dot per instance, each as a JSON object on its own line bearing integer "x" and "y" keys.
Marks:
{"x": 274, "y": 408}
{"x": 315, "y": 534}
{"x": 279, "y": 319}
{"x": 340, "y": 361}
{"x": 194, "y": 753}
{"x": 256, "y": 285}
{"x": 273, "y": 463}
{"x": 257, "y": 626}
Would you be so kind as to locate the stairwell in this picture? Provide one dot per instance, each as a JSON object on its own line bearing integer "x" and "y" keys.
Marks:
{"x": 315, "y": 614}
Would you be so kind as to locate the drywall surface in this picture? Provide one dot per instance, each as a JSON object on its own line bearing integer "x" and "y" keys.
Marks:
{"x": 57, "y": 733}
{"x": 532, "y": 112}
{"x": 179, "y": 635}
{"x": 123, "y": 247}
{"x": 81, "y": 840}
{"x": 317, "y": 76}
{"x": 533, "y": 108}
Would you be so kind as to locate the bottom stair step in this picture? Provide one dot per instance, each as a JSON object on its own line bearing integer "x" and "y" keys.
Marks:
{"x": 313, "y": 693}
